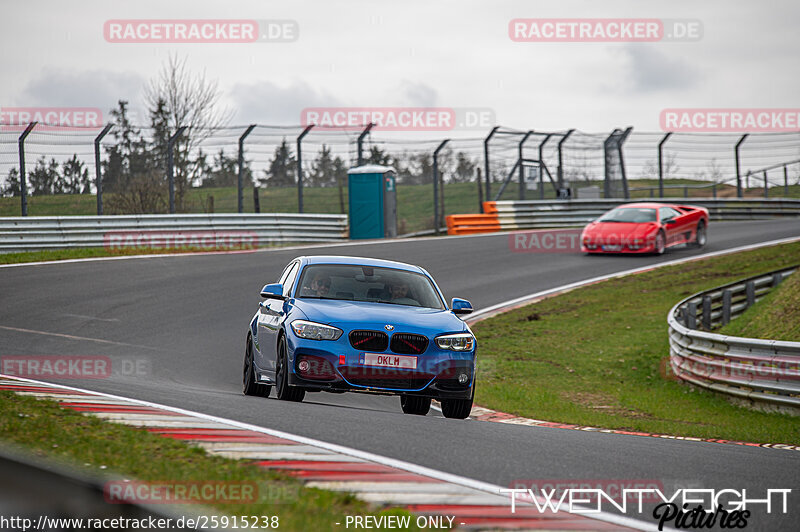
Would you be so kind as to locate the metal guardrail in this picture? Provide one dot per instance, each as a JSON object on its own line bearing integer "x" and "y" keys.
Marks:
{"x": 539, "y": 214}
{"x": 766, "y": 371}
{"x": 543, "y": 214}
{"x": 205, "y": 231}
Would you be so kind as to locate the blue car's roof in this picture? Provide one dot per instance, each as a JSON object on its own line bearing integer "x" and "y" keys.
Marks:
{"x": 360, "y": 261}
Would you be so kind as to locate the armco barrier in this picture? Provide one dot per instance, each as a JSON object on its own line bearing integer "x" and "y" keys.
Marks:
{"x": 766, "y": 371}
{"x": 206, "y": 231}
{"x": 512, "y": 215}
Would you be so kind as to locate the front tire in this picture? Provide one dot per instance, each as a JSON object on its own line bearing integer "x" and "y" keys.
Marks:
{"x": 249, "y": 384}
{"x": 282, "y": 389}
{"x": 414, "y": 404}
{"x": 661, "y": 243}
{"x": 456, "y": 408}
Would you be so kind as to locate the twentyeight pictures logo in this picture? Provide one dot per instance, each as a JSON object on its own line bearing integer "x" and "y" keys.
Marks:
{"x": 604, "y": 30}
{"x": 196, "y": 31}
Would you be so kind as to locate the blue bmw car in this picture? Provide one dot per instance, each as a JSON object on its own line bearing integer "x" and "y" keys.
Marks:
{"x": 340, "y": 324}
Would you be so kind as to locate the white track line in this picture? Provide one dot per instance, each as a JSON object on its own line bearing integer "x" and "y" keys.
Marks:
{"x": 391, "y": 462}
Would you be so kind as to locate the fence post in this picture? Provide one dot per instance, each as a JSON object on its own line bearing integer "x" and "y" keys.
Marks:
{"x": 691, "y": 315}
{"x": 776, "y": 279}
{"x": 98, "y": 174}
{"x": 607, "y": 163}
{"x": 714, "y": 190}
{"x": 480, "y": 190}
{"x": 543, "y": 166}
{"x": 750, "y": 290}
{"x": 240, "y": 179}
{"x": 707, "y": 313}
{"x": 785, "y": 181}
{"x": 361, "y": 143}
{"x": 300, "y": 168}
{"x": 170, "y": 167}
{"x": 738, "y": 171}
{"x": 661, "y": 164}
{"x": 620, "y": 142}
{"x": 486, "y": 167}
{"x": 436, "y": 186}
{"x": 23, "y": 178}
{"x": 521, "y": 166}
{"x": 766, "y": 185}
{"x": 560, "y": 169}
{"x": 256, "y": 202}
{"x": 727, "y": 297}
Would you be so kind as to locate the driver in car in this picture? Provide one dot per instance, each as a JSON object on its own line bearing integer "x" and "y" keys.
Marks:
{"x": 399, "y": 293}
{"x": 320, "y": 286}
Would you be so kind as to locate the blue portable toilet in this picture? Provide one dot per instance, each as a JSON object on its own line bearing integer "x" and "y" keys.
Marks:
{"x": 373, "y": 201}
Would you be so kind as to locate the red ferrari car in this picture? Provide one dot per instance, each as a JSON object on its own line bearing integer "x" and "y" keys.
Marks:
{"x": 645, "y": 228}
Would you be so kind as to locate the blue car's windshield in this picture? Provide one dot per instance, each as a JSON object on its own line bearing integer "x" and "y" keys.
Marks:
{"x": 367, "y": 283}
{"x": 629, "y": 214}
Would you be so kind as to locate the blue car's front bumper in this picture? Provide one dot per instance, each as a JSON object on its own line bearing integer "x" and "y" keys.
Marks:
{"x": 337, "y": 366}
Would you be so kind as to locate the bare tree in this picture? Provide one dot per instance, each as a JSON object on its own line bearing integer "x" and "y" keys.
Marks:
{"x": 177, "y": 97}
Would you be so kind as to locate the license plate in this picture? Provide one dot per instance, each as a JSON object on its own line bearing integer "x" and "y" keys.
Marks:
{"x": 613, "y": 247}
{"x": 390, "y": 361}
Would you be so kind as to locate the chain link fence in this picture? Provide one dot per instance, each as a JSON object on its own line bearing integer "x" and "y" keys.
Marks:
{"x": 61, "y": 171}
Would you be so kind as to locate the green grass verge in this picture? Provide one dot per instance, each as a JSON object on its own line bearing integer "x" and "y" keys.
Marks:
{"x": 776, "y": 317}
{"x": 86, "y": 253}
{"x": 98, "y": 448}
{"x": 598, "y": 356}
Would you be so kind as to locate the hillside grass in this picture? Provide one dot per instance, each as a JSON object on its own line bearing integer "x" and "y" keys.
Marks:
{"x": 775, "y": 317}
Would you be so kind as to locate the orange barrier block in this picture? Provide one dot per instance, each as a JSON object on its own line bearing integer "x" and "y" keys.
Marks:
{"x": 490, "y": 207}
{"x": 465, "y": 224}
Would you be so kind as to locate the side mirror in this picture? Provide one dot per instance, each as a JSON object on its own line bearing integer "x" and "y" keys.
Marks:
{"x": 273, "y": 291}
{"x": 461, "y": 306}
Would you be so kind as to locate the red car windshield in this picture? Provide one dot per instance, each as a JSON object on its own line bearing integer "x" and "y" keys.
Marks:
{"x": 629, "y": 215}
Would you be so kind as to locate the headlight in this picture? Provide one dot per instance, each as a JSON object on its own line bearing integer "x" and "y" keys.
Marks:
{"x": 315, "y": 331}
{"x": 456, "y": 342}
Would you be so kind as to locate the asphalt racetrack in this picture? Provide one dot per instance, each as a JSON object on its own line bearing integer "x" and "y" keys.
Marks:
{"x": 175, "y": 329}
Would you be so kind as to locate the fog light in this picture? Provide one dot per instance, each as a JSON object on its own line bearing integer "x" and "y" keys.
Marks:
{"x": 303, "y": 366}
{"x": 463, "y": 378}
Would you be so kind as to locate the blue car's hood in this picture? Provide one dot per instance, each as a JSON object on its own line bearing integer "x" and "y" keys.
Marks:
{"x": 350, "y": 315}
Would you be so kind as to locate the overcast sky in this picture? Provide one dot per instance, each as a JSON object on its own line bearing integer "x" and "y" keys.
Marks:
{"x": 415, "y": 53}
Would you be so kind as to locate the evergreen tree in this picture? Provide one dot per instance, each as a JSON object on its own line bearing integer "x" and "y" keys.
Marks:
{"x": 224, "y": 172}
{"x": 44, "y": 179}
{"x": 128, "y": 156}
{"x": 323, "y": 170}
{"x": 74, "y": 177}
{"x": 12, "y": 186}
{"x": 282, "y": 169}
{"x": 465, "y": 169}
